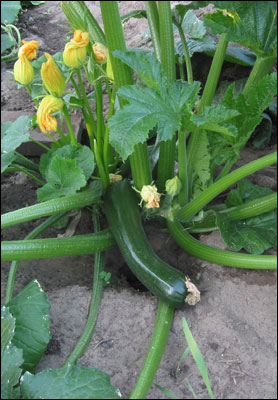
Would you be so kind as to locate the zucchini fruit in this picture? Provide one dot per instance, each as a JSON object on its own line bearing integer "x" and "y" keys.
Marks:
{"x": 122, "y": 212}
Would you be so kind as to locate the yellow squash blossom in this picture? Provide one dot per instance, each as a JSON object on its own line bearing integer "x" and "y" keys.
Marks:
{"x": 100, "y": 52}
{"x": 29, "y": 49}
{"x": 23, "y": 71}
{"x": 75, "y": 50}
{"x": 48, "y": 105}
{"x": 52, "y": 77}
{"x": 150, "y": 195}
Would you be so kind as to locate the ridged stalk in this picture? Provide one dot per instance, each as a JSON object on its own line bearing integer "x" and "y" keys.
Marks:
{"x": 218, "y": 256}
{"x": 244, "y": 211}
{"x": 222, "y": 184}
{"x": 88, "y": 331}
{"x": 56, "y": 247}
{"x": 167, "y": 149}
{"x": 164, "y": 318}
{"x": 14, "y": 265}
{"x": 51, "y": 207}
{"x": 115, "y": 40}
{"x": 153, "y": 21}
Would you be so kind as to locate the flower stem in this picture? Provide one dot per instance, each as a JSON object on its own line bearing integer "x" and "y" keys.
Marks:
{"x": 164, "y": 318}
{"x": 86, "y": 101}
{"x": 69, "y": 124}
{"x": 186, "y": 56}
{"x": 14, "y": 168}
{"x": 36, "y": 101}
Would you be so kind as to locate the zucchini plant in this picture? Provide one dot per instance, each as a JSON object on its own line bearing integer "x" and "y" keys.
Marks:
{"x": 167, "y": 148}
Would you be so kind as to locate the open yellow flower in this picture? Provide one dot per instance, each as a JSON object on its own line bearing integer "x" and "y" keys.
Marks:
{"x": 100, "y": 52}
{"x": 49, "y": 104}
{"x": 75, "y": 50}
{"x": 23, "y": 71}
{"x": 52, "y": 77}
{"x": 150, "y": 195}
{"x": 29, "y": 49}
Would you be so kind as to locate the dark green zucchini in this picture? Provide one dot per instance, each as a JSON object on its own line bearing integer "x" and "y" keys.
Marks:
{"x": 121, "y": 209}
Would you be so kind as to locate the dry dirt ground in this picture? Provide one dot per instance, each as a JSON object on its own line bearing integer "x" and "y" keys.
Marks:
{"x": 235, "y": 324}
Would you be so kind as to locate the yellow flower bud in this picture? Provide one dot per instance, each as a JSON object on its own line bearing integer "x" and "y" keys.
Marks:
{"x": 52, "y": 77}
{"x": 23, "y": 71}
{"x": 48, "y": 105}
{"x": 29, "y": 49}
{"x": 150, "y": 195}
{"x": 75, "y": 50}
{"x": 100, "y": 52}
{"x": 173, "y": 186}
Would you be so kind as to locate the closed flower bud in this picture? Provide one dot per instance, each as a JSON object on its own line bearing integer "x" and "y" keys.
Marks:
{"x": 48, "y": 105}
{"x": 52, "y": 77}
{"x": 23, "y": 71}
{"x": 75, "y": 51}
{"x": 173, "y": 186}
{"x": 150, "y": 195}
{"x": 115, "y": 178}
{"x": 29, "y": 49}
{"x": 100, "y": 52}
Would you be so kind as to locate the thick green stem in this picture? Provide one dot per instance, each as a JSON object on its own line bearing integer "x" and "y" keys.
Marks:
{"x": 244, "y": 211}
{"x": 14, "y": 265}
{"x": 261, "y": 68}
{"x": 87, "y": 333}
{"x": 218, "y": 256}
{"x": 207, "y": 195}
{"x": 164, "y": 318}
{"x": 103, "y": 173}
{"x": 57, "y": 247}
{"x": 123, "y": 76}
{"x": 51, "y": 207}
{"x": 206, "y": 99}
{"x": 107, "y": 150}
{"x": 153, "y": 21}
{"x": 167, "y": 149}
{"x": 25, "y": 162}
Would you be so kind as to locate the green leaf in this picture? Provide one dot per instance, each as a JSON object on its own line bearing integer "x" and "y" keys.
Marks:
{"x": 179, "y": 11}
{"x": 245, "y": 192}
{"x": 82, "y": 154}
{"x": 250, "y": 23}
{"x": 9, "y": 11}
{"x": 192, "y": 26}
{"x": 6, "y": 42}
{"x": 63, "y": 178}
{"x": 31, "y": 311}
{"x": 11, "y": 357}
{"x": 13, "y": 134}
{"x": 133, "y": 14}
{"x": 145, "y": 64}
{"x": 69, "y": 382}
{"x": 255, "y": 235}
{"x": 213, "y": 119}
{"x": 201, "y": 164}
{"x": 262, "y": 134}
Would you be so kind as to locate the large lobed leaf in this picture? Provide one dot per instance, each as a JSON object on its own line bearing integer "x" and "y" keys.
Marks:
{"x": 250, "y": 23}
{"x": 69, "y": 382}
{"x": 30, "y": 308}
{"x": 11, "y": 357}
{"x": 256, "y": 234}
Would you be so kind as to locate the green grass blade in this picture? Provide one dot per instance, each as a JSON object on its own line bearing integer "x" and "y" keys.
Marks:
{"x": 166, "y": 392}
{"x": 197, "y": 356}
